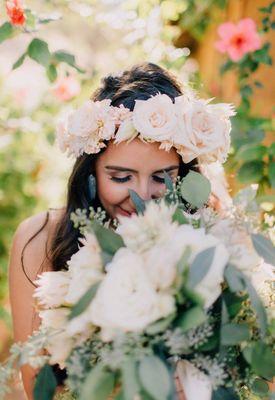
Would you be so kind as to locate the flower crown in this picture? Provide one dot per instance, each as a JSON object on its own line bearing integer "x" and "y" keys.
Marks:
{"x": 195, "y": 128}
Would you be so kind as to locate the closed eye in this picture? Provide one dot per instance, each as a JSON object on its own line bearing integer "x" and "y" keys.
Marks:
{"x": 157, "y": 179}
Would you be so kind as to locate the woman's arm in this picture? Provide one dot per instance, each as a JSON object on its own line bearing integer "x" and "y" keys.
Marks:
{"x": 25, "y": 319}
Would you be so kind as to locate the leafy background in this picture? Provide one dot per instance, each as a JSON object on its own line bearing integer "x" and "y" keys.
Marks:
{"x": 56, "y": 58}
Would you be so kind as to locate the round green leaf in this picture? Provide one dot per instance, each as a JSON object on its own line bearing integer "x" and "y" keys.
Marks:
{"x": 155, "y": 378}
{"x": 195, "y": 189}
{"x": 250, "y": 152}
{"x": 260, "y": 387}
{"x": 98, "y": 385}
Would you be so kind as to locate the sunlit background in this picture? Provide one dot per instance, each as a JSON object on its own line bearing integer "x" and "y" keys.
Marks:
{"x": 54, "y": 53}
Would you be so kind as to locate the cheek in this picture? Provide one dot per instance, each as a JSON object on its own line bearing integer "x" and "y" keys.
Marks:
{"x": 109, "y": 192}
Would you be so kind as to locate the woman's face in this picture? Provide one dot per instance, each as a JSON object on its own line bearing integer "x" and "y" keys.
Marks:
{"x": 136, "y": 165}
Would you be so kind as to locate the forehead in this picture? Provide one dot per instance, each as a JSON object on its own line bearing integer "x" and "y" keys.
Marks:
{"x": 138, "y": 155}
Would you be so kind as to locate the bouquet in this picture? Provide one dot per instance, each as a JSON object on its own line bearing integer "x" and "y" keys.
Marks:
{"x": 176, "y": 287}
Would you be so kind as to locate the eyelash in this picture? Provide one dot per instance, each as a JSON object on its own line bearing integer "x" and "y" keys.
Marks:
{"x": 127, "y": 178}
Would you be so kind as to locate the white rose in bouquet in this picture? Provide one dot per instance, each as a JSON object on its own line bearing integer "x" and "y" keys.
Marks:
{"x": 52, "y": 287}
{"x": 141, "y": 232}
{"x": 59, "y": 342}
{"x": 238, "y": 243}
{"x": 85, "y": 268}
{"x": 195, "y": 383}
{"x": 209, "y": 288}
{"x": 126, "y": 300}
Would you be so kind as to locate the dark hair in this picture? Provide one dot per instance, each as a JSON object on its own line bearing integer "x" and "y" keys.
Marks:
{"x": 140, "y": 82}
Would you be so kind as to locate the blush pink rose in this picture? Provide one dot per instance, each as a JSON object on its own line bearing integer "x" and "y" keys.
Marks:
{"x": 66, "y": 88}
{"x": 15, "y": 11}
{"x": 155, "y": 118}
{"x": 238, "y": 39}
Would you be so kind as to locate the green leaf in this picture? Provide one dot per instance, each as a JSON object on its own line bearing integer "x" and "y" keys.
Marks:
{"x": 179, "y": 217}
{"x": 264, "y": 247}
{"x": 271, "y": 174}
{"x": 138, "y": 201}
{"x": 130, "y": 384}
{"x": 200, "y": 266}
{"x": 155, "y": 378}
{"x": 195, "y": 189}
{"x": 168, "y": 181}
{"x": 98, "y": 385}
{"x": 232, "y": 334}
{"x": 160, "y": 325}
{"x": 83, "y": 302}
{"x": 247, "y": 353}
{"x": 51, "y": 73}
{"x": 30, "y": 18}
{"x": 38, "y": 50}
{"x": 192, "y": 318}
{"x": 108, "y": 240}
{"x": 227, "y": 66}
{"x": 19, "y": 62}
{"x": 6, "y": 31}
{"x": 246, "y": 91}
{"x": 258, "y": 307}
{"x": 182, "y": 263}
{"x": 68, "y": 58}
{"x": 223, "y": 393}
{"x": 262, "y": 55}
{"x": 45, "y": 384}
{"x": 234, "y": 278}
{"x": 251, "y": 172}
{"x": 263, "y": 361}
{"x": 250, "y": 152}
{"x": 260, "y": 387}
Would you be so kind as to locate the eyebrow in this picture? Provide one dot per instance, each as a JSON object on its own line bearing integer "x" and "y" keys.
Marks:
{"x": 118, "y": 168}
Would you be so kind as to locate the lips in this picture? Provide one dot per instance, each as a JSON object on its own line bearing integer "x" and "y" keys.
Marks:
{"x": 127, "y": 213}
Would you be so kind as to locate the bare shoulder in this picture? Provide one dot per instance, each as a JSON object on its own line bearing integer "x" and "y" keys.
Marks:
{"x": 32, "y": 240}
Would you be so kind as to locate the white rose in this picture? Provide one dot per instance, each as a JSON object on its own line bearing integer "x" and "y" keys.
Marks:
{"x": 196, "y": 385}
{"x": 85, "y": 268}
{"x": 209, "y": 288}
{"x": 52, "y": 287}
{"x": 155, "y": 118}
{"x": 141, "y": 232}
{"x": 238, "y": 244}
{"x": 125, "y": 300}
{"x": 203, "y": 130}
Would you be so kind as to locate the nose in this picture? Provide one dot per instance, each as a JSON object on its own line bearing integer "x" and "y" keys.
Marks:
{"x": 146, "y": 190}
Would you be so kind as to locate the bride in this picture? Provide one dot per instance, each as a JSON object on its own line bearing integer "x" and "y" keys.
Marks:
{"x": 46, "y": 241}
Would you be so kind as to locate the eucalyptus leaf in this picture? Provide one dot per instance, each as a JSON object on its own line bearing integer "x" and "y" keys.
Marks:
{"x": 108, "y": 240}
{"x": 83, "y": 302}
{"x": 263, "y": 360}
{"x": 179, "y": 217}
{"x": 264, "y": 247}
{"x": 195, "y": 189}
{"x": 6, "y": 31}
{"x": 98, "y": 385}
{"x": 251, "y": 171}
{"x": 155, "y": 378}
{"x": 260, "y": 387}
{"x": 160, "y": 326}
{"x": 168, "y": 181}
{"x": 130, "y": 383}
{"x": 138, "y": 201}
{"x": 192, "y": 318}
{"x": 232, "y": 334}
{"x": 38, "y": 50}
{"x": 200, "y": 266}
{"x": 45, "y": 384}
{"x": 271, "y": 174}
{"x": 250, "y": 152}
{"x": 234, "y": 278}
{"x": 223, "y": 393}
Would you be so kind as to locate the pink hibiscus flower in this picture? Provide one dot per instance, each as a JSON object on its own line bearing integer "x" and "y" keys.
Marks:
{"x": 238, "y": 39}
{"x": 15, "y": 11}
